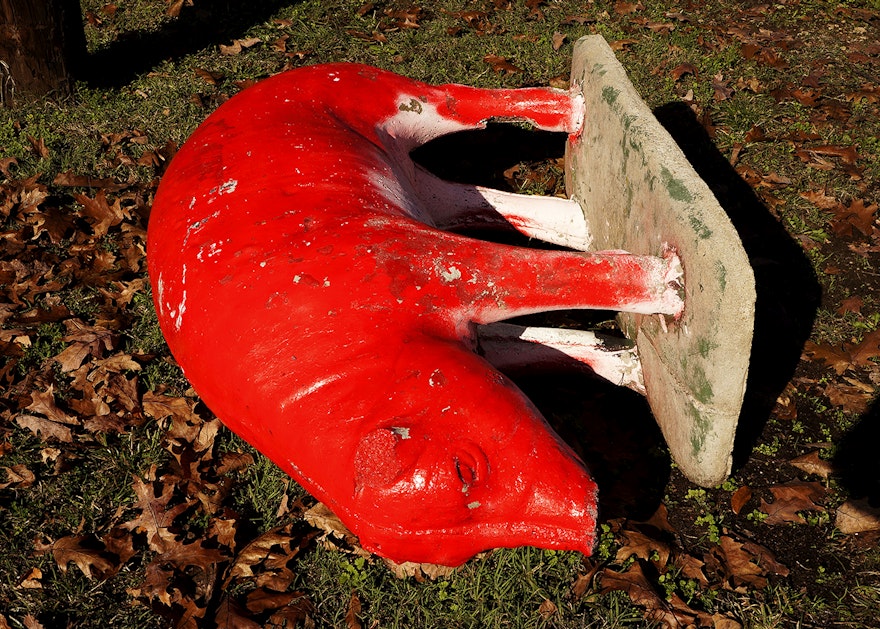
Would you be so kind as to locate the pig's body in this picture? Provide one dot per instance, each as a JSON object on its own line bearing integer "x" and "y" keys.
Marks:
{"x": 303, "y": 286}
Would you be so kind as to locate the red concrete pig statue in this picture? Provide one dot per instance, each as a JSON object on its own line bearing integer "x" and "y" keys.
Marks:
{"x": 306, "y": 284}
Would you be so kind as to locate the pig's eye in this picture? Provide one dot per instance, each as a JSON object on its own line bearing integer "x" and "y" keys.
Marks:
{"x": 466, "y": 474}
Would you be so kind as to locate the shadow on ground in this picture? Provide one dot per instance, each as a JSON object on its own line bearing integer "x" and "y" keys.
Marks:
{"x": 197, "y": 27}
{"x": 856, "y": 458}
{"x": 788, "y": 293}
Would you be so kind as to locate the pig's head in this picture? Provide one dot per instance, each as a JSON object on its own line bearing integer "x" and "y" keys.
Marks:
{"x": 474, "y": 468}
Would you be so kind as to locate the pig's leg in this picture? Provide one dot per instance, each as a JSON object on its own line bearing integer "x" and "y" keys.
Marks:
{"x": 454, "y": 205}
{"x": 547, "y": 108}
{"x": 510, "y": 347}
{"x": 428, "y": 112}
{"x": 494, "y": 282}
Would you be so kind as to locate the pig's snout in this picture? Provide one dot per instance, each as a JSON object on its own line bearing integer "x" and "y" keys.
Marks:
{"x": 424, "y": 498}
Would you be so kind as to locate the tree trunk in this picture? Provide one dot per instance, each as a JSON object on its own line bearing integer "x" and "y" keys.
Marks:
{"x": 42, "y": 46}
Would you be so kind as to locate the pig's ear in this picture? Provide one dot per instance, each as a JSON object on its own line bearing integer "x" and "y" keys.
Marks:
{"x": 376, "y": 461}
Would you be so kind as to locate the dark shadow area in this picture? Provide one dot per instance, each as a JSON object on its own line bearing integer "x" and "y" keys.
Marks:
{"x": 788, "y": 293}
{"x": 205, "y": 24}
{"x": 857, "y": 460}
{"x": 480, "y": 157}
{"x": 610, "y": 427}
{"x": 613, "y": 431}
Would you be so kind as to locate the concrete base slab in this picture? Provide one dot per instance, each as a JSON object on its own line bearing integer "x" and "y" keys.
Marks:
{"x": 639, "y": 193}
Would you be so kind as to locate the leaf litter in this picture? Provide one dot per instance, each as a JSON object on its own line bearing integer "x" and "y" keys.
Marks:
{"x": 89, "y": 384}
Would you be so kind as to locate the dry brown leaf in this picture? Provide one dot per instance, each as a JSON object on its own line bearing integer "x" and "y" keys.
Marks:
{"x": 417, "y": 571}
{"x": 230, "y": 615}
{"x": 849, "y": 355}
{"x": 32, "y": 623}
{"x": 790, "y": 499}
{"x": 238, "y": 45}
{"x": 558, "y": 40}
{"x": 643, "y": 547}
{"x": 851, "y": 304}
{"x": 295, "y": 613}
{"x": 622, "y": 44}
{"x": 43, "y": 402}
{"x": 31, "y": 580}
{"x": 722, "y": 91}
{"x": 38, "y": 147}
{"x": 866, "y": 350}
{"x": 851, "y": 398}
{"x": 547, "y": 609}
{"x": 84, "y": 551}
{"x": 691, "y": 568}
{"x": 500, "y": 64}
{"x": 156, "y": 516}
{"x": 45, "y": 429}
{"x": 18, "y": 477}
{"x": 855, "y": 217}
{"x": 160, "y": 406}
{"x": 857, "y": 516}
{"x": 748, "y": 564}
{"x": 739, "y": 498}
{"x": 193, "y": 554}
{"x": 5, "y": 164}
{"x": 671, "y": 614}
{"x": 812, "y": 464}
{"x": 682, "y": 69}
{"x": 267, "y": 557}
{"x": 351, "y": 615}
{"x": 626, "y": 8}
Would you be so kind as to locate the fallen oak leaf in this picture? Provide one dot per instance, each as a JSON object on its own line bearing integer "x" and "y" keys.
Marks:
{"x": 38, "y": 147}
{"x": 238, "y": 45}
{"x": 6, "y": 163}
{"x": 44, "y": 428}
{"x": 558, "y": 40}
{"x": 857, "y": 516}
{"x": 82, "y": 181}
{"x": 86, "y": 552}
{"x": 857, "y": 216}
{"x": 622, "y": 44}
{"x": 643, "y": 594}
{"x": 500, "y": 64}
{"x": 43, "y": 402}
{"x": 848, "y": 356}
{"x": 18, "y": 477}
{"x": 417, "y": 571}
{"x": 31, "y": 581}
{"x": 682, "y": 69}
{"x": 626, "y": 8}
{"x": 792, "y": 498}
{"x": 866, "y": 350}
{"x": 159, "y": 406}
{"x": 739, "y": 498}
{"x": 851, "y": 304}
{"x": 156, "y": 517}
{"x": 739, "y": 567}
{"x": 812, "y": 464}
{"x": 351, "y": 614}
{"x": 851, "y": 398}
{"x": 231, "y": 615}
{"x": 634, "y": 543}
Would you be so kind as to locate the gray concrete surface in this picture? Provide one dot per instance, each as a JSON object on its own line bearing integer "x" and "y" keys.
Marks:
{"x": 639, "y": 193}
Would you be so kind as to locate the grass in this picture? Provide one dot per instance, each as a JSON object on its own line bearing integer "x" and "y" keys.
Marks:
{"x": 102, "y": 131}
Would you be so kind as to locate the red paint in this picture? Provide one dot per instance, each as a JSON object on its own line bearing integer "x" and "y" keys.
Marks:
{"x": 325, "y": 324}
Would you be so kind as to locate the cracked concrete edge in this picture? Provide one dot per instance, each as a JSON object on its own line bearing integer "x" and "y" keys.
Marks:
{"x": 639, "y": 193}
